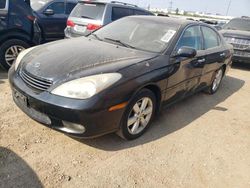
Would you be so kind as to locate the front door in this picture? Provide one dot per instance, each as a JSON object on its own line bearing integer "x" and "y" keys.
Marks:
{"x": 189, "y": 70}
{"x": 53, "y": 23}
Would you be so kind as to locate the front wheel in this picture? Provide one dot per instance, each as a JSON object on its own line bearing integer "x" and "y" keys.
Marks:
{"x": 138, "y": 115}
{"x": 9, "y": 51}
{"x": 213, "y": 88}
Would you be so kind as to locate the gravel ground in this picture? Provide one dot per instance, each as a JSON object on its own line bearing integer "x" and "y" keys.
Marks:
{"x": 202, "y": 141}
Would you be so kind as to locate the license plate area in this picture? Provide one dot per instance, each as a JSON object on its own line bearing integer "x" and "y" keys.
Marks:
{"x": 20, "y": 97}
{"x": 80, "y": 28}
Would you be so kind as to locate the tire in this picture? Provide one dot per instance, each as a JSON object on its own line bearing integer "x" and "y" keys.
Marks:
{"x": 9, "y": 51}
{"x": 218, "y": 76}
{"x": 139, "y": 121}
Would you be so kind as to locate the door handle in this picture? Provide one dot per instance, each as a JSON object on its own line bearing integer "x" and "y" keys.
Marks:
{"x": 201, "y": 60}
{"x": 223, "y": 54}
{"x": 2, "y": 18}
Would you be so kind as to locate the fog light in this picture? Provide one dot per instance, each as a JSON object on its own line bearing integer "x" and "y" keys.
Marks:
{"x": 73, "y": 128}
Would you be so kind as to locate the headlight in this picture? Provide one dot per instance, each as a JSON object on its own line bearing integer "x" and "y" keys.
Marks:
{"x": 21, "y": 56}
{"x": 84, "y": 88}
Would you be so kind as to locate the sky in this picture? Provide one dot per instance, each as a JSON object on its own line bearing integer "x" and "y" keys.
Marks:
{"x": 237, "y": 8}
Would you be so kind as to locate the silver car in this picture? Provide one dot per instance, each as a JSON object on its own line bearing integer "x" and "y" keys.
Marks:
{"x": 88, "y": 16}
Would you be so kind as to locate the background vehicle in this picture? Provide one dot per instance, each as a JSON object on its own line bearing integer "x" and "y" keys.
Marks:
{"x": 237, "y": 33}
{"x": 52, "y": 16}
{"x": 88, "y": 16}
{"x": 18, "y": 30}
{"x": 76, "y": 88}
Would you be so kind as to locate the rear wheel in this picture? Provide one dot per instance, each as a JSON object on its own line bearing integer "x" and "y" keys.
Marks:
{"x": 138, "y": 115}
{"x": 9, "y": 51}
{"x": 213, "y": 88}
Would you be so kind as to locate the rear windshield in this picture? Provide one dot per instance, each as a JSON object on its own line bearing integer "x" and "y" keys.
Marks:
{"x": 38, "y": 4}
{"x": 88, "y": 10}
{"x": 238, "y": 24}
{"x": 2, "y": 4}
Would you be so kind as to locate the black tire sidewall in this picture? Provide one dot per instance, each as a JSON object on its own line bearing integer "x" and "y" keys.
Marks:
{"x": 6, "y": 45}
{"x": 124, "y": 129}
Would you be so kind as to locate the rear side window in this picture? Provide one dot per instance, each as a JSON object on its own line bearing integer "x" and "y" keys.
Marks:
{"x": 70, "y": 7}
{"x": 88, "y": 10}
{"x": 211, "y": 38}
{"x": 140, "y": 12}
{"x": 58, "y": 8}
{"x": 2, "y": 4}
{"x": 191, "y": 38}
{"x": 118, "y": 12}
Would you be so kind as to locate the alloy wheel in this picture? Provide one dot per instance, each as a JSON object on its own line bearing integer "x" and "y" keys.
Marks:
{"x": 217, "y": 80}
{"x": 140, "y": 116}
{"x": 12, "y": 53}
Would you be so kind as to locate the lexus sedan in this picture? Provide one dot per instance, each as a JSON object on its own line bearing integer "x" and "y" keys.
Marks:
{"x": 117, "y": 78}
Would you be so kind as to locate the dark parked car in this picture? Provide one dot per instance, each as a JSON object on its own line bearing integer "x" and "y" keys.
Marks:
{"x": 116, "y": 79}
{"x": 52, "y": 16}
{"x": 88, "y": 16}
{"x": 237, "y": 33}
{"x": 18, "y": 30}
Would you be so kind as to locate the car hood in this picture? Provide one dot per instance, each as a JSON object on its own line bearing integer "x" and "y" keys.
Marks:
{"x": 79, "y": 57}
{"x": 236, "y": 33}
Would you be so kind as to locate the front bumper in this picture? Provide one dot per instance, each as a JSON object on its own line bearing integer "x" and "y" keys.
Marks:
{"x": 53, "y": 111}
{"x": 241, "y": 56}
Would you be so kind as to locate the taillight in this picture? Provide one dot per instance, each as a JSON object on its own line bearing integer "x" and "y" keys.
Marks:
{"x": 92, "y": 27}
{"x": 70, "y": 23}
{"x": 31, "y": 18}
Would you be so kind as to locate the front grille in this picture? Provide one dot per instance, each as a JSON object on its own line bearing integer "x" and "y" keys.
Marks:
{"x": 238, "y": 43}
{"x": 35, "y": 82}
{"x": 242, "y": 53}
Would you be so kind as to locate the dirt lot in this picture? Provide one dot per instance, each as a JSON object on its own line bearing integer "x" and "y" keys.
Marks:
{"x": 203, "y": 141}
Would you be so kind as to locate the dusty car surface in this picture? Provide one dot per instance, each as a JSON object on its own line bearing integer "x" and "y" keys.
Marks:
{"x": 117, "y": 79}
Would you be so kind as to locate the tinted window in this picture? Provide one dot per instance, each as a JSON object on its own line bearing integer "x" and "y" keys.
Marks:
{"x": 211, "y": 38}
{"x": 88, "y": 10}
{"x": 140, "y": 12}
{"x": 140, "y": 33}
{"x": 70, "y": 7}
{"x": 37, "y": 5}
{"x": 58, "y": 8}
{"x": 238, "y": 24}
{"x": 191, "y": 38}
{"x": 118, "y": 13}
{"x": 2, "y": 4}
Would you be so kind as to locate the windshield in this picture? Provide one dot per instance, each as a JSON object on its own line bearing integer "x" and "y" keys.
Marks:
{"x": 238, "y": 24}
{"x": 138, "y": 33}
{"x": 38, "y": 4}
{"x": 92, "y": 11}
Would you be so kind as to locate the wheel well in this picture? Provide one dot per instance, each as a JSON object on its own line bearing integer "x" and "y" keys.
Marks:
{"x": 156, "y": 90}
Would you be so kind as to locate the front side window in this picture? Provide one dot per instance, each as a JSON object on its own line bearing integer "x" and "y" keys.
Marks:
{"x": 2, "y": 4}
{"x": 118, "y": 13}
{"x": 58, "y": 8}
{"x": 211, "y": 38}
{"x": 70, "y": 7}
{"x": 37, "y": 5}
{"x": 191, "y": 38}
{"x": 139, "y": 33}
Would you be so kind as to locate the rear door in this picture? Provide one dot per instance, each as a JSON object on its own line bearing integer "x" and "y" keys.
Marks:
{"x": 215, "y": 54}
{"x": 53, "y": 25}
{"x": 188, "y": 70}
{"x": 4, "y": 5}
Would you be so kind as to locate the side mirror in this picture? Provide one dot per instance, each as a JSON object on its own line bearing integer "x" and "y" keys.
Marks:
{"x": 186, "y": 52}
{"x": 48, "y": 12}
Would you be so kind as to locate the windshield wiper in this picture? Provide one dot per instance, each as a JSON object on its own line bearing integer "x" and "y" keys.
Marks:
{"x": 86, "y": 17}
{"x": 120, "y": 42}
{"x": 96, "y": 36}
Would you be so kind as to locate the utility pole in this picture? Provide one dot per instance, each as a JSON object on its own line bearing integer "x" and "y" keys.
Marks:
{"x": 170, "y": 5}
{"x": 229, "y": 5}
